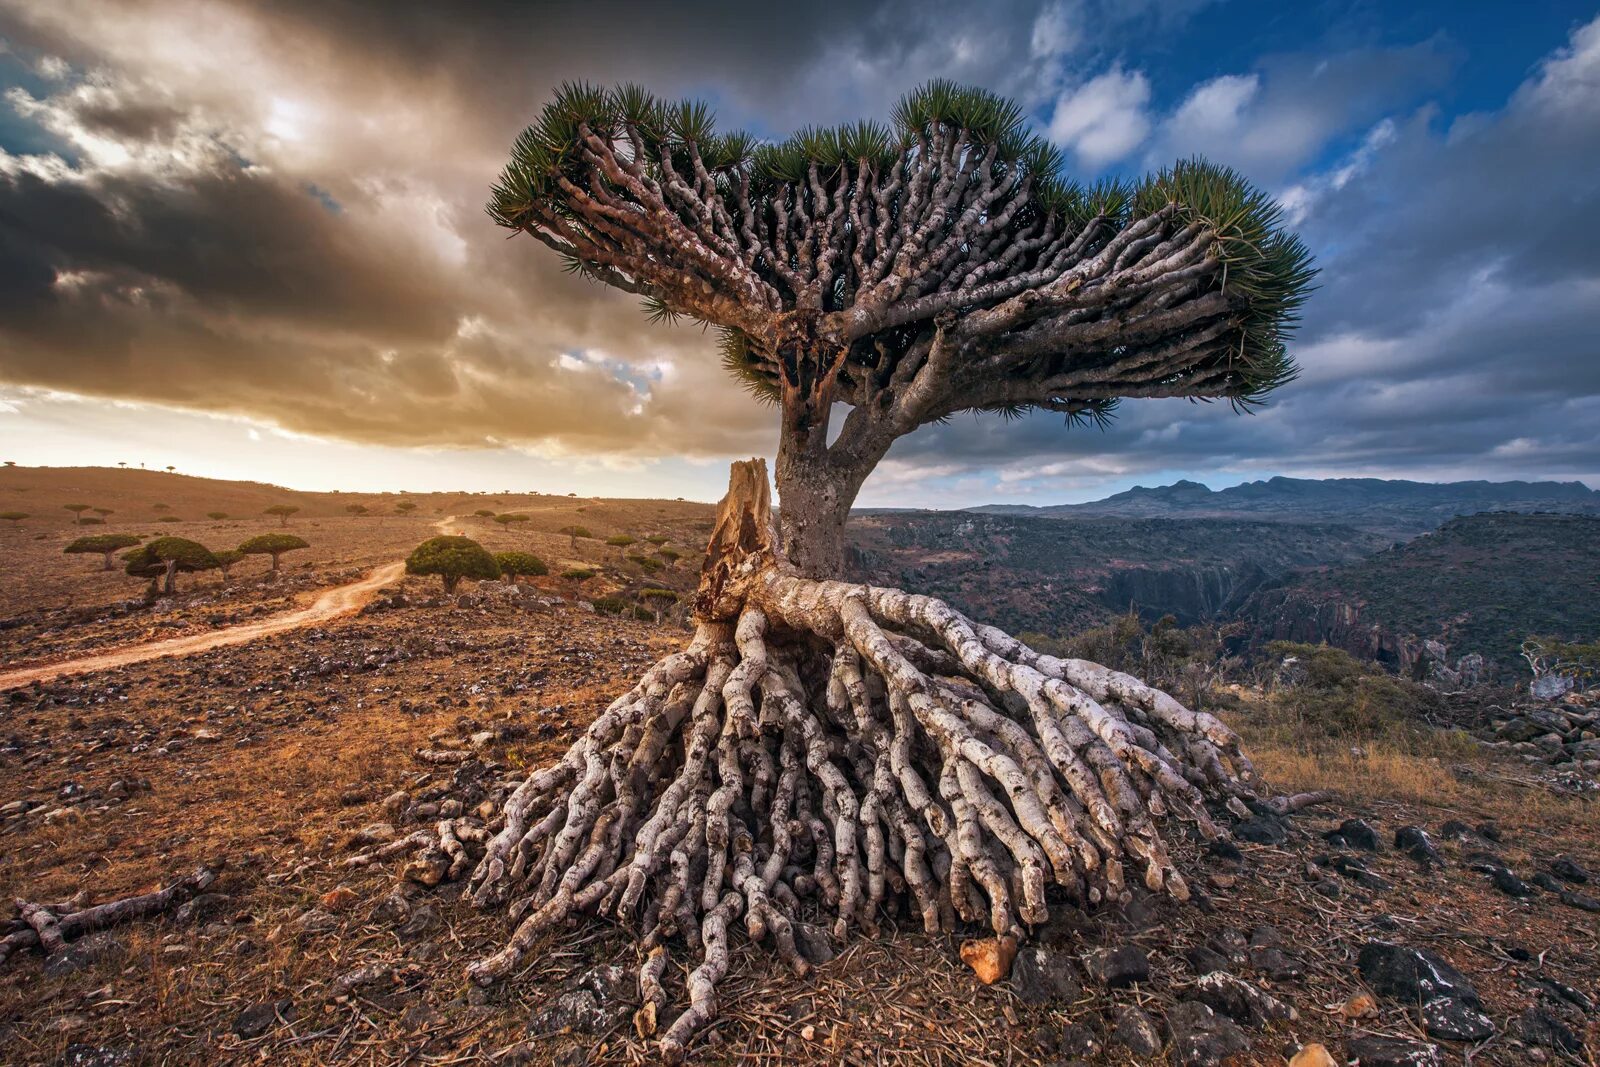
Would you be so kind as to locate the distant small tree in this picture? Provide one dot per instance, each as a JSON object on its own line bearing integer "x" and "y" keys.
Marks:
{"x": 575, "y": 532}
{"x": 170, "y": 468}
{"x": 672, "y": 556}
{"x": 217, "y": 515}
{"x": 169, "y": 518}
{"x": 165, "y": 556}
{"x": 226, "y": 559}
{"x": 160, "y": 507}
{"x": 658, "y": 539}
{"x": 13, "y": 517}
{"x": 645, "y": 562}
{"x": 621, "y": 540}
{"x": 484, "y": 513}
{"x": 577, "y": 575}
{"x": 658, "y": 600}
{"x": 283, "y": 511}
{"x": 452, "y": 559}
{"x": 103, "y": 512}
{"x": 77, "y": 511}
{"x": 272, "y": 544}
{"x": 356, "y": 509}
{"x": 11, "y": 463}
{"x": 520, "y": 564}
{"x": 509, "y": 518}
{"x": 122, "y": 463}
{"x": 405, "y": 507}
{"x": 105, "y": 544}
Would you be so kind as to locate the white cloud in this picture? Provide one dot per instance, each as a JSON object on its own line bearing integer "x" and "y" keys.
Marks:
{"x": 1056, "y": 31}
{"x": 1214, "y": 107}
{"x": 1105, "y": 118}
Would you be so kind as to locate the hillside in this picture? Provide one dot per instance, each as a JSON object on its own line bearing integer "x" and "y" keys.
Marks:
{"x": 1392, "y": 507}
{"x": 1479, "y": 584}
{"x": 1034, "y": 574}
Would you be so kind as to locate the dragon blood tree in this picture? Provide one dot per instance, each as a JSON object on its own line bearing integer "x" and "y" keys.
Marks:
{"x": 824, "y": 753}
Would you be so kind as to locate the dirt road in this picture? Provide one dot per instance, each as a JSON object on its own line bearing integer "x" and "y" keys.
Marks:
{"x": 330, "y": 604}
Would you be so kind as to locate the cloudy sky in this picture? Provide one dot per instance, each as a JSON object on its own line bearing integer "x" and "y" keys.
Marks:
{"x": 247, "y": 239}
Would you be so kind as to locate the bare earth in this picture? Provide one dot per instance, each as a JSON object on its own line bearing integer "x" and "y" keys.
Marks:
{"x": 276, "y": 741}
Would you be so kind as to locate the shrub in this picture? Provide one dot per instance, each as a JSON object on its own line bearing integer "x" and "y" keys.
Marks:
{"x": 577, "y": 574}
{"x": 13, "y": 516}
{"x": 169, "y": 518}
{"x": 520, "y": 564}
{"x": 610, "y": 605}
{"x": 658, "y": 539}
{"x": 216, "y": 515}
{"x": 620, "y": 540}
{"x": 510, "y": 517}
{"x": 484, "y": 513}
{"x": 452, "y": 559}
{"x": 647, "y": 563}
{"x": 77, "y": 511}
{"x": 283, "y": 511}
{"x": 575, "y": 532}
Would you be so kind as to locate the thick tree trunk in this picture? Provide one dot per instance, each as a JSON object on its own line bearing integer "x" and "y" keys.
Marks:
{"x": 830, "y": 752}
{"x": 109, "y": 565}
{"x": 171, "y": 586}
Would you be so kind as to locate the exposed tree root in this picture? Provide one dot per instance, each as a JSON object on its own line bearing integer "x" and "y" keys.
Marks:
{"x": 48, "y": 927}
{"x": 832, "y": 751}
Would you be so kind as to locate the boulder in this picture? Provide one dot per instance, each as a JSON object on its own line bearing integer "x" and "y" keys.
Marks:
{"x": 1136, "y": 1032}
{"x": 1241, "y": 1001}
{"x": 1042, "y": 975}
{"x": 1412, "y": 975}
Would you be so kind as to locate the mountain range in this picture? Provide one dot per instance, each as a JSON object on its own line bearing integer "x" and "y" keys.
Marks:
{"x": 1391, "y": 507}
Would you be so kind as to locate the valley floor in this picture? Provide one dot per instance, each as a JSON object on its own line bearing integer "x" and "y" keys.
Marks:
{"x": 272, "y": 756}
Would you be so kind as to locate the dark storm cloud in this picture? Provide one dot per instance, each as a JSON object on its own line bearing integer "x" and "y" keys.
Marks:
{"x": 273, "y": 209}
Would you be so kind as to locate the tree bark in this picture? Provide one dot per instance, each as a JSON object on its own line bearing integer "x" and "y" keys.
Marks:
{"x": 817, "y": 481}
{"x": 171, "y": 585}
{"x": 109, "y": 565}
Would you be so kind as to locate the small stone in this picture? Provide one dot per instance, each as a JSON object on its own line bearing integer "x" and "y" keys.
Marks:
{"x": 1391, "y": 1052}
{"x": 1262, "y": 830}
{"x": 340, "y": 898}
{"x": 989, "y": 957}
{"x": 1137, "y": 1033}
{"x": 1313, "y": 1055}
{"x": 577, "y": 1010}
{"x": 1539, "y": 1027}
{"x": 1241, "y": 1001}
{"x": 1454, "y": 1019}
{"x": 1569, "y": 870}
{"x": 396, "y": 803}
{"x": 1583, "y": 901}
{"x": 1275, "y": 963}
{"x": 76, "y": 1055}
{"x": 259, "y": 1018}
{"x": 1118, "y": 967}
{"x": 428, "y": 869}
{"x": 1357, "y": 833}
{"x": 1360, "y": 1006}
{"x": 1201, "y": 1037}
{"x": 423, "y": 920}
{"x": 315, "y": 921}
{"x": 84, "y": 953}
{"x": 1042, "y": 975}
{"x": 1414, "y": 842}
{"x": 1204, "y": 960}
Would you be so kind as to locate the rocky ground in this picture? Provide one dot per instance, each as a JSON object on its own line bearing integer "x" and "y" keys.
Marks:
{"x": 1452, "y": 923}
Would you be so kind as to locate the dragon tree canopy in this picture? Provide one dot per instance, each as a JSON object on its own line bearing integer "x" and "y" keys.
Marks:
{"x": 938, "y": 263}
